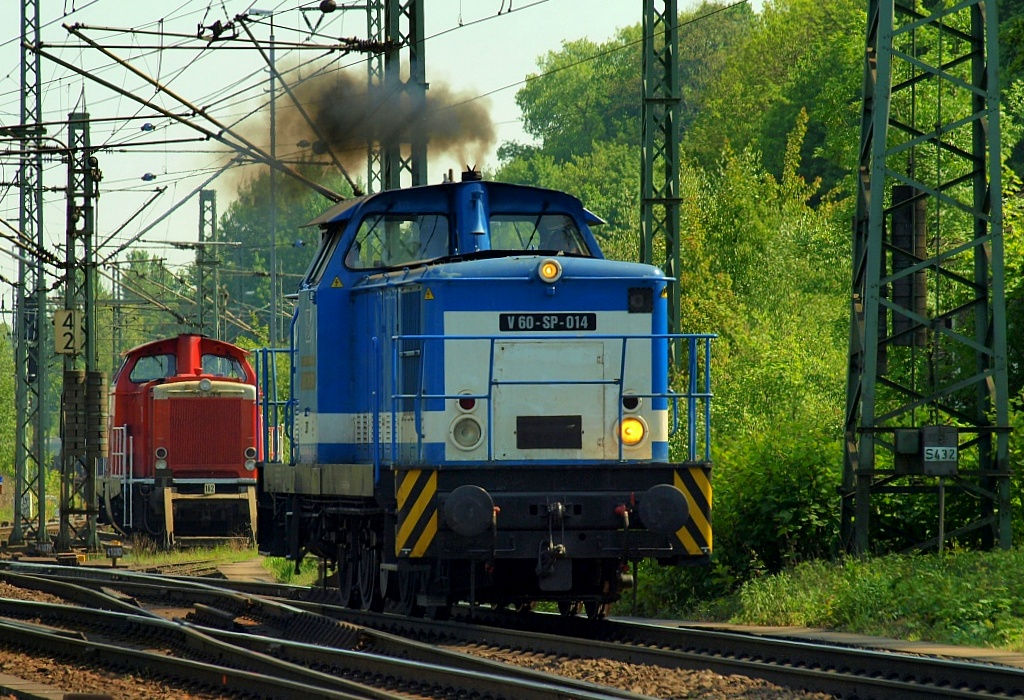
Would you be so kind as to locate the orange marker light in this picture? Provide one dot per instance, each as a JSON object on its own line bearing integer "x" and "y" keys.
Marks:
{"x": 550, "y": 270}
{"x": 631, "y": 431}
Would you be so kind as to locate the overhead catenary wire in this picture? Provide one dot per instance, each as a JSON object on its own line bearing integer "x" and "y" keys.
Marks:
{"x": 227, "y": 94}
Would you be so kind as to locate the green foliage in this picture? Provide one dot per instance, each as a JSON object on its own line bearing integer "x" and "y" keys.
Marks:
{"x": 1013, "y": 247}
{"x": 775, "y": 497}
{"x": 1011, "y": 41}
{"x": 563, "y": 104}
{"x": 307, "y": 573}
{"x": 785, "y": 342}
{"x": 766, "y": 270}
{"x": 968, "y": 598}
{"x": 607, "y": 179}
{"x": 588, "y": 93}
{"x": 8, "y": 419}
{"x": 245, "y": 269}
{"x": 797, "y": 55}
{"x": 1016, "y": 459}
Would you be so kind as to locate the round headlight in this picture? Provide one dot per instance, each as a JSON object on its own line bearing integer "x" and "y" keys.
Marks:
{"x": 549, "y": 270}
{"x": 160, "y": 452}
{"x": 160, "y": 464}
{"x": 250, "y": 464}
{"x": 250, "y": 452}
{"x": 632, "y": 431}
{"x": 466, "y": 432}
{"x": 205, "y": 384}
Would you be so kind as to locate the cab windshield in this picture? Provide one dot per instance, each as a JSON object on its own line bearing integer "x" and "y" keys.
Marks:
{"x": 221, "y": 366}
{"x": 393, "y": 240}
{"x": 153, "y": 367}
{"x": 555, "y": 233}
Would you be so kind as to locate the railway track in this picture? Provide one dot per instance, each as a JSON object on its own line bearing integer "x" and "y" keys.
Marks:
{"x": 264, "y": 611}
{"x": 242, "y": 644}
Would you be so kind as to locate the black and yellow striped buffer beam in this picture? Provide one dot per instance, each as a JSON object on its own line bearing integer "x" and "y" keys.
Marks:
{"x": 416, "y": 495}
{"x": 695, "y": 483}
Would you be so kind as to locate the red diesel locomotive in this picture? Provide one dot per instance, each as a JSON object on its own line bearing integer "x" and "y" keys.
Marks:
{"x": 185, "y": 437}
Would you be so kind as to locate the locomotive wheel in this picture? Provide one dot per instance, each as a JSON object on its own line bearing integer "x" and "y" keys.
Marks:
{"x": 595, "y": 610}
{"x": 568, "y": 608}
{"x": 408, "y": 588}
{"x": 369, "y": 575}
{"x": 346, "y": 576}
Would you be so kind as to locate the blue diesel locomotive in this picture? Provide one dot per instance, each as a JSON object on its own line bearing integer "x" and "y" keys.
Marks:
{"x": 481, "y": 409}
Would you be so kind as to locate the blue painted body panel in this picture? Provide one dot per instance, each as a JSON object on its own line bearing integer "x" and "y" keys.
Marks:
{"x": 365, "y": 391}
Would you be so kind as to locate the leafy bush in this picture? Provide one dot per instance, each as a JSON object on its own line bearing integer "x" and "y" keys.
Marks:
{"x": 961, "y": 597}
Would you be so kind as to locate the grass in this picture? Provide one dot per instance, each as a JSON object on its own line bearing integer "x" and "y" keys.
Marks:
{"x": 144, "y": 551}
{"x": 284, "y": 570}
{"x": 964, "y": 598}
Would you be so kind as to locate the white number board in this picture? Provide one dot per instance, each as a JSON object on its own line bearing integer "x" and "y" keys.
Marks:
{"x": 940, "y": 454}
{"x": 68, "y": 333}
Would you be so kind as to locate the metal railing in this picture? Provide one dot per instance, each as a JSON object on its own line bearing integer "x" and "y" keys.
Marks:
{"x": 121, "y": 465}
{"x": 694, "y": 403}
{"x": 276, "y": 418}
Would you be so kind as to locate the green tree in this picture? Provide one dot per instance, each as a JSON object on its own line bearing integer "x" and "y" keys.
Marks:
{"x": 245, "y": 269}
{"x": 607, "y": 180}
{"x": 765, "y": 268}
{"x": 589, "y": 93}
{"x": 155, "y": 301}
{"x": 564, "y": 107}
{"x": 8, "y": 421}
{"x": 797, "y": 55}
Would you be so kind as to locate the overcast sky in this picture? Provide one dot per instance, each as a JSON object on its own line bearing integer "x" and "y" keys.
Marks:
{"x": 474, "y": 48}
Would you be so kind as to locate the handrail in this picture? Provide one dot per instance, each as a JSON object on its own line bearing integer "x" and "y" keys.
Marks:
{"x": 697, "y": 397}
{"x": 273, "y": 408}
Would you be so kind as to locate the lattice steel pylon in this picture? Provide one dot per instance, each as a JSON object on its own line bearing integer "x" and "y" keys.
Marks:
{"x": 404, "y": 153}
{"x": 660, "y": 190}
{"x": 927, "y": 405}
{"x": 208, "y": 284}
{"x": 83, "y": 404}
{"x": 374, "y": 83}
{"x": 31, "y": 320}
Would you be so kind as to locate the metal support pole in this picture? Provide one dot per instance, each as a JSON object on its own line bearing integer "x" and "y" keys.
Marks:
{"x": 274, "y": 335}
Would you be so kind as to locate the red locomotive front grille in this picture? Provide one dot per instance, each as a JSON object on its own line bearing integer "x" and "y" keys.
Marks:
{"x": 208, "y": 433}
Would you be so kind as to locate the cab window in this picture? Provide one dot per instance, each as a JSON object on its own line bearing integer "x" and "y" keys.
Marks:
{"x": 153, "y": 367}
{"x": 394, "y": 240}
{"x": 221, "y": 366}
{"x": 556, "y": 233}
{"x": 323, "y": 256}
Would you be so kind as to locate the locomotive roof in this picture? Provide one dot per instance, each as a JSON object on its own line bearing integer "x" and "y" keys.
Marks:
{"x": 439, "y": 196}
{"x": 173, "y": 340}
